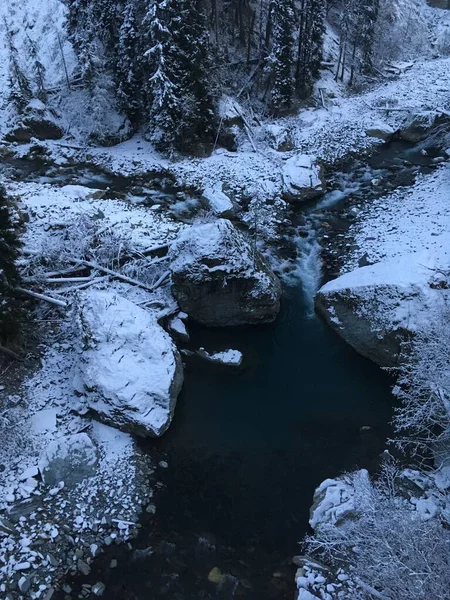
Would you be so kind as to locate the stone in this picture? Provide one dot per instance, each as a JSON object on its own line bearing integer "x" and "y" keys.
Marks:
{"x": 378, "y": 307}
{"x": 130, "y": 368}
{"x": 215, "y": 575}
{"x": 421, "y": 125}
{"x": 24, "y": 584}
{"x": 380, "y": 131}
{"x": 303, "y": 178}
{"x": 98, "y": 588}
{"x": 218, "y": 202}
{"x": 69, "y": 459}
{"x": 83, "y": 567}
{"x": 219, "y": 279}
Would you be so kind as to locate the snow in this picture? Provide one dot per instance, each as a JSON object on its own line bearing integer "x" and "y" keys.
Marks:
{"x": 197, "y": 246}
{"x": 230, "y": 357}
{"x": 44, "y": 420}
{"x": 129, "y": 365}
{"x": 302, "y": 176}
{"x": 218, "y": 201}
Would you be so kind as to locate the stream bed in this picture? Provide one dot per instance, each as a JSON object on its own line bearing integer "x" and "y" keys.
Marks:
{"x": 248, "y": 446}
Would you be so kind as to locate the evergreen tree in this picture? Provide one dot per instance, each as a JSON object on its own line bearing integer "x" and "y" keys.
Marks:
{"x": 81, "y": 32}
{"x": 38, "y": 69}
{"x": 129, "y": 63}
{"x": 9, "y": 251}
{"x": 181, "y": 109}
{"x": 165, "y": 110}
{"x": 310, "y": 45}
{"x": 281, "y": 59}
{"x": 20, "y": 90}
{"x": 369, "y": 11}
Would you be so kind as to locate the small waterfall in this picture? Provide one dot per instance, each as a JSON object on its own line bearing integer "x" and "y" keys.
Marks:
{"x": 309, "y": 268}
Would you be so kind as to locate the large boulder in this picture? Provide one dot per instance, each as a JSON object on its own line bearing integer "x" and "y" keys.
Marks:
{"x": 130, "y": 368}
{"x": 220, "y": 280}
{"x": 376, "y": 308}
{"x": 421, "y": 125}
{"x": 303, "y": 178}
{"x": 37, "y": 122}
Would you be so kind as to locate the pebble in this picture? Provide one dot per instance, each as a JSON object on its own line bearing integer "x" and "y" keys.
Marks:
{"x": 215, "y": 575}
{"x": 113, "y": 564}
{"x": 83, "y": 567}
{"x": 98, "y": 588}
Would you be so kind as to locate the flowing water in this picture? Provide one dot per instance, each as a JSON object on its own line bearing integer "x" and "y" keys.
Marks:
{"x": 248, "y": 446}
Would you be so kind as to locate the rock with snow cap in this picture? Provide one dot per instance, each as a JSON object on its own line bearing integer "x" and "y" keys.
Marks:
{"x": 131, "y": 370}
{"x": 377, "y": 308}
{"x": 303, "y": 178}
{"x": 220, "y": 280}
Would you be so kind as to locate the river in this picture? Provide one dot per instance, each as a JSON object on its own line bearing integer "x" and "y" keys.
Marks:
{"x": 248, "y": 446}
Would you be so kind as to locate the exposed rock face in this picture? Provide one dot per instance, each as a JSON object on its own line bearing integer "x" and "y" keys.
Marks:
{"x": 69, "y": 459}
{"x": 219, "y": 280}
{"x": 130, "y": 368}
{"x": 303, "y": 178}
{"x": 36, "y": 122}
{"x": 376, "y": 308}
{"x": 421, "y": 125}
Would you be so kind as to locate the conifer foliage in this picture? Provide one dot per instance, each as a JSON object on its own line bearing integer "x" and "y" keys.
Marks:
{"x": 281, "y": 58}
{"x": 9, "y": 250}
{"x": 171, "y": 60}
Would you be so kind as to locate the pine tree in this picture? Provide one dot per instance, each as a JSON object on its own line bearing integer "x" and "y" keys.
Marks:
{"x": 310, "y": 45}
{"x": 181, "y": 111}
{"x": 165, "y": 110}
{"x": 38, "y": 69}
{"x": 9, "y": 251}
{"x": 281, "y": 59}
{"x": 369, "y": 12}
{"x": 81, "y": 33}
{"x": 129, "y": 63}
{"x": 20, "y": 90}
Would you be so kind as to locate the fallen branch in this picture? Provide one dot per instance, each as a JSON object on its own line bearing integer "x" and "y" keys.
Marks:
{"x": 9, "y": 353}
{"x": 75, "y": 288}
{"x": 116, "y": 275}
{"x": 49, "y": 299}
{"x": 67, "y": 280}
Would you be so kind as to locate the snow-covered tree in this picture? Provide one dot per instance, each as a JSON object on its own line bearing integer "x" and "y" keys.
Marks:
{"x": 181, "y": 111}
{"x": 386, "y": 548}
{"x": 310, "y": 44}
{"x": 9, "y": 251}
{"x": 19, "y": 86}
{"x": 281, "y": 58}
{"x": 129, "y": 63}
{"x": 423, "y": 386}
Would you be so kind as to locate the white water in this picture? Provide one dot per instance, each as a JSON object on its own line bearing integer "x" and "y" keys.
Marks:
{"x": 309, "y": 268}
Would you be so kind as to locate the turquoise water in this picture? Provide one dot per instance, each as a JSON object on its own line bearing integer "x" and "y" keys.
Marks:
{"x": 245, "y": 451}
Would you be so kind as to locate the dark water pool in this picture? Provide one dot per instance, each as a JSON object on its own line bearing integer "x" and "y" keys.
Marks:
{"x": 245, "y": 452}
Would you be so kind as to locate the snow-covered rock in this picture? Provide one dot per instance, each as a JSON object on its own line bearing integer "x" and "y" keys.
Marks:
{"x": 218, "y": 202}
{"x": 381, "y": 131}
{"x": 376, "y": 308}
{"x": 69, "y": 459}
{"x": 421, "y": 124}
{"x": 230, "y": 358}
{"x": 178, "y": 329}
{"x": 333, "y": 501}
{"x": 219, "y": 280}
{"x": 36, "y": 122}
{"x": 131, "y": 370}
{"x": 302, "y": 178}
